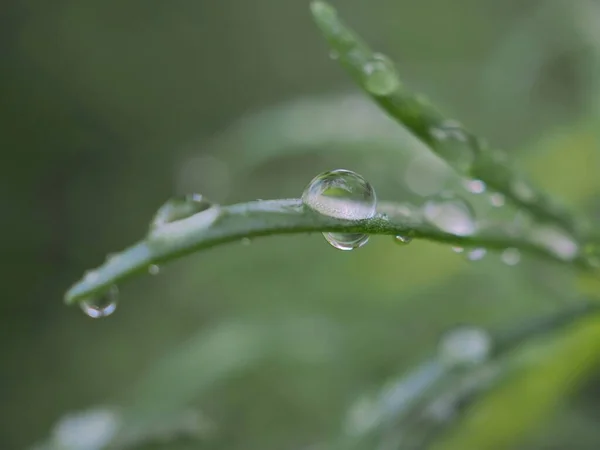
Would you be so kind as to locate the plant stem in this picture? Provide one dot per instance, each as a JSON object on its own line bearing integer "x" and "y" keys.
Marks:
{"x": 223, "y": 224}
{"x": 465, "y": 152}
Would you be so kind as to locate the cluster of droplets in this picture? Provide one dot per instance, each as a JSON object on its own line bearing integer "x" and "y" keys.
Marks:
{"x": 342, "y": 194}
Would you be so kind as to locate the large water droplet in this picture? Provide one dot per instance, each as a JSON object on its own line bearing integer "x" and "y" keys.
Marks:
{"x": 511, "y": 256}
{"x": 380, "y": 75}
{"x": 102, "y": 306}
{"x": 179, "y": 208}
{"x": 465, "y": 345}
{"x": 452, "y": 142}
{"x": 450, "y": 214}
{"x": 342, "y": 194}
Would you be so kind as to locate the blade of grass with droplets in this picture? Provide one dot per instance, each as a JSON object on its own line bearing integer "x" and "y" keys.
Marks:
{"x": 223, "y": 224}
{"x": 414, "y": 410}
{"x": 377, "y": 75}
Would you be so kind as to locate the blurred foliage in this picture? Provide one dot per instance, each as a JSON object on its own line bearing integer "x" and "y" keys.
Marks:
{"x": 109, "y": 108}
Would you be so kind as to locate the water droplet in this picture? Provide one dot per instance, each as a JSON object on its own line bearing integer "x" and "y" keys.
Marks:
{"x": 426, "y": 174}
{"x": 452, "y": 142}
{"x": 86, "y": 430}
{"x": 556, "y": 241}
{"x": 511, "y": 256}
{"x": 153, "y": 269}
{"x": 465, "y": 345}
{"x": 476, "y": 254}
{"x": 592, "y": 253}
{"x": 403, "y": 239}
{"x": 450, "y": 214}
{"x": 523, "y": 191}
{"x": 475, "y": 186}
{"x": 342, "y": 194}
{"x": 458, "y": 249}
{"x": 333, "y": 54}
{"x": 380, "y": 75}
{"x": 101, "y": 306}
{"x": 179, "y": 208}
{"x": 497, "y": 199}
{"x": 246, "y": 241}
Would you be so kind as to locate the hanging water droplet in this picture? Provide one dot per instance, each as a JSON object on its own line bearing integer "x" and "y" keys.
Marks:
{"x": 342, "y": 194}
{"x": 153, "y": 269}
{"x": 246, "y": 241}
{"x": 465, "y": 346}
{"x": 101, "y": 306}
{"x": 476, "y": 254}
{"x": 380, "y": 75}
{"x": 511, "y": 256}
{"x": 403, "y": 239}
{"x": 179, "y": 208}
{"x": 497, "y": 199}
{"x": 450, "y": 214}
{"x": 452, "y": 142}
{"x": 474, "y": 186}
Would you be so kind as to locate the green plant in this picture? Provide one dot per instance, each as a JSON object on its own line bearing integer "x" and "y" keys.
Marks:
{"x": 415, "y": 421}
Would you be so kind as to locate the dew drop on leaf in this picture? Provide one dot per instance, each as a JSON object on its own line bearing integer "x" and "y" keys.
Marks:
{"x": 511, "y": 256}
{"x": 342, "y": 194}
{"x": 451, "y": 141}
{"x": 465, "y": 345}
{"x": 476, "y": 254}
{"x": 403, "y": 239}
{"x": 458, "y": 249}
{"x": 101, "y": 306}
{"x": 497, "y": 199}
{"x": 380, "y": 75}
{"x": 450, "y": 214}
{"x": 475, "y": 186}
{"x": 178, "y": 208}
{"x": 153, "y": 269}
{"x": 246, "y": 241}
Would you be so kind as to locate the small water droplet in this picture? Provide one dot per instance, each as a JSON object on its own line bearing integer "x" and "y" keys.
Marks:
{"x": 465, "y": 346}
{"x": 333, "y": 54}
{"x": 497, "y": 199}
{"x": 403, "y": 239}
{"x": 450, "y": 214}
{"x": 101, "y": 306}
{"x": 179, "y": 208}
{"x": 523, "y": 191}
{"x": 475, "y": 186}
{"x": 342, "y": 194}
{"x": 452, "y": 142}
{"x": 476, "y": 254}
{"x": 380, "y": 75}
{"x": 153, "y": 269}
{"x": 458, "y": 249}
{"x": 246, "y": 241}
{"x": 511, "y": 256}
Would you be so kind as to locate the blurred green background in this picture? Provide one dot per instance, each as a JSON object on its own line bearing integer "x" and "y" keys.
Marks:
{"x": 108, "y": 108}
